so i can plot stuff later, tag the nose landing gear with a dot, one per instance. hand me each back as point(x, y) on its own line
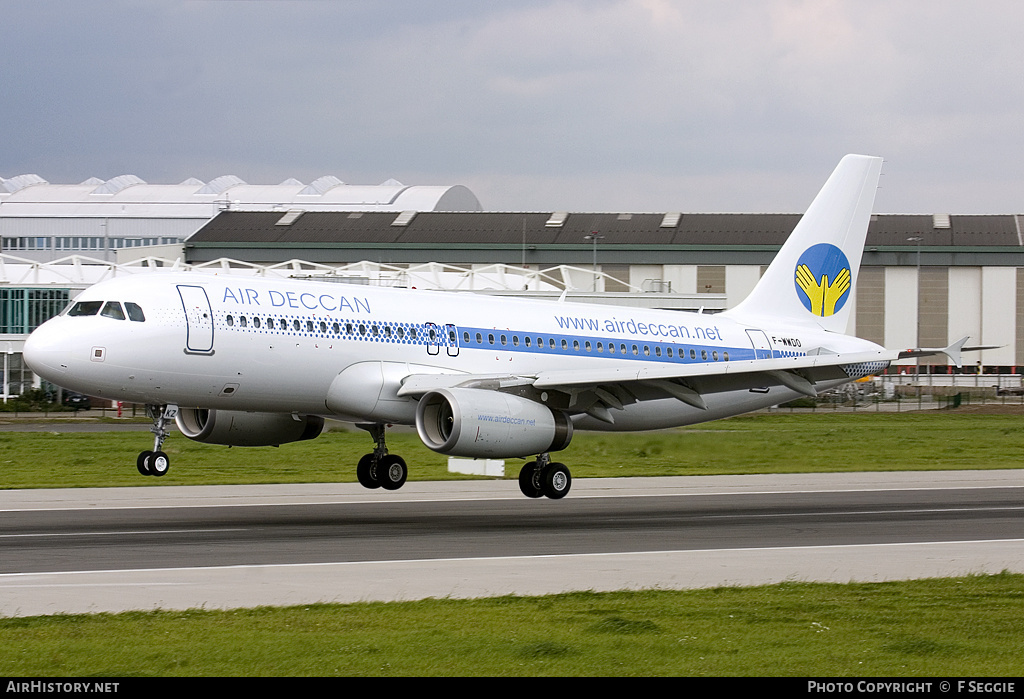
point(156, 462)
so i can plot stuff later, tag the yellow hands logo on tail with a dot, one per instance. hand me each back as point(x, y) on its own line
point(823, 296)
point(823, 279)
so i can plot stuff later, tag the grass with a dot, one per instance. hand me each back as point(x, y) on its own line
point(971, 626)
point(761, 443)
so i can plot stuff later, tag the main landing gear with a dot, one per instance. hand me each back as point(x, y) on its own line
point(156, 462)
point(545, 477)
point(379, 469)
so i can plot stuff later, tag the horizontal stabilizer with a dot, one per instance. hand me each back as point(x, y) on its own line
point(953, 351)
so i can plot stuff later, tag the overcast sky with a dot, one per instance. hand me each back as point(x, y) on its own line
point(590, 105)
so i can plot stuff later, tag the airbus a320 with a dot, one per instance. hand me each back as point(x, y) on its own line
point(256, 362)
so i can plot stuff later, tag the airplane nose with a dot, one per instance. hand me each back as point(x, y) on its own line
point(46, 352)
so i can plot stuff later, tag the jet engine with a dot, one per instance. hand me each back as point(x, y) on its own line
point(244, 429)
point(481, 423)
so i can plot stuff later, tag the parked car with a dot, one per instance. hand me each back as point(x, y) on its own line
point(76, 401)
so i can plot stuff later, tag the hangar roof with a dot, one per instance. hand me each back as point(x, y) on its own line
point(129, 196)
point(451, 228)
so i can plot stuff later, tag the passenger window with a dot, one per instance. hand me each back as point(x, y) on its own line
point(242, 321)
point(230, 319)
point(112, 309)
point(135, 312)
point(85, 308)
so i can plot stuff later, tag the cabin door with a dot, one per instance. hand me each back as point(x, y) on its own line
point(198, 319)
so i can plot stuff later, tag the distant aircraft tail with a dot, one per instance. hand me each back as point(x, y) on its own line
point(812, 278)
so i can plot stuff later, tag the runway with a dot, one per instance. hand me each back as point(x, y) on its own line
point(90, 550)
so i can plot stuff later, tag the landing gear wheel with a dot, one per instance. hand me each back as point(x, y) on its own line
point(159, 464)
point(142, 463)
point(556, 481)
point(391, 472)
point(156, 463)
point(529, 480)
point(366, 472)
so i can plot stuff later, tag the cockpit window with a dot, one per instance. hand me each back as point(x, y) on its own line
point(85, 308)
point(112, 309)
point(134, 312)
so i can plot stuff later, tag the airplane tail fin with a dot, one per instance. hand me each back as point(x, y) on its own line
point(812, 278)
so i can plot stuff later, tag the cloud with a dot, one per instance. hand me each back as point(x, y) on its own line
point(573, 104)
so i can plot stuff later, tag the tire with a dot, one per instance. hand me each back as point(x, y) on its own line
point(142, 463)
point(366, 473)
point(529, 481)
point(556, 481)
point(392, 472)
point(159, 464)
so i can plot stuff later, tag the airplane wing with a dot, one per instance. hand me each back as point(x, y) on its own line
point(597, 392)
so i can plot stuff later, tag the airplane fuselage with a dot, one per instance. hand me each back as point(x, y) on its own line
point(279, 345)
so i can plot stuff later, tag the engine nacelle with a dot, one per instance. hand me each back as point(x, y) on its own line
point(243, 429)
point(481, 423)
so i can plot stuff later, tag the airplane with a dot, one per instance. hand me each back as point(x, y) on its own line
point(259, 362)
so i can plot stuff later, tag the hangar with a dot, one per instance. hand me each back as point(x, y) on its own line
point(926, 280)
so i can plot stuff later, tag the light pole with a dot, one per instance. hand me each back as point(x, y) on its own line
point(594, 236)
